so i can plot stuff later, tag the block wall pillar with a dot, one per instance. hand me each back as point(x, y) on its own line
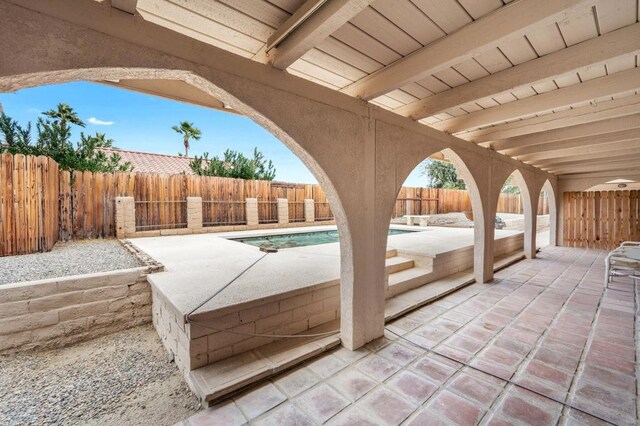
point(125, 217)
point(283, 211)
point(251, 205)
point(309, 210)
point(194, 213)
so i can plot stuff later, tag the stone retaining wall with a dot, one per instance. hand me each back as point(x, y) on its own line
point(57, 312)
point(194, 346)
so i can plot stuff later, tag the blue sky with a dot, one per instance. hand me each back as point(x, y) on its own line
point(141, 122)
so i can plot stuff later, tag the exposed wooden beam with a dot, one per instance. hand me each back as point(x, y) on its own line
point(578, 146)
point(128, 6)
point(598, 166)
point(307, 9)
point(591, 52)
point(581, 130)
point(587, 114)
point(591, 157)
point(608, 85)
point(311, 27)
point(512, 20)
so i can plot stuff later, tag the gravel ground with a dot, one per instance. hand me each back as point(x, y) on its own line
point(67, 259)
point(120, 379)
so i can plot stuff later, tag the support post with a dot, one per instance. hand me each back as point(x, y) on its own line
point(283, 211)
point(194, 213)
point(309, 210)
point(125, 217)
point(251, 205)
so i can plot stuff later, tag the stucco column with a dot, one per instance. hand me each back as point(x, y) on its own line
point(283, 211)
point(125, 217)
point(194, 213)
point(251, 205)
point(309, 210)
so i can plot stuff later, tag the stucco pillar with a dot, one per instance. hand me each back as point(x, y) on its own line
point(283, 211)
point(309, 210)
point(125, 217)
point(530, 229)
point(251, 205)
point(194, 213)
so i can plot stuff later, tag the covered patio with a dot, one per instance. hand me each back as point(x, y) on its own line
point(362, 91)
point(545, 343)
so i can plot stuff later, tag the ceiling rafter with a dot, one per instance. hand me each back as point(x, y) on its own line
point(309, 26)
point(587, 114)
point(514, 146)
point(570, 147)
point(590, 52)
point(512, 20)
point(608, 85)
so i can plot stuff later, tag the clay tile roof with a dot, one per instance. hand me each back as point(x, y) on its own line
point(147, 162)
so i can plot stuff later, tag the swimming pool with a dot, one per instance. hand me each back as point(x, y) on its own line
point(300, 239)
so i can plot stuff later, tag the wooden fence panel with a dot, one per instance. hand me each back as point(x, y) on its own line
point(28, 204)
point(600, 219)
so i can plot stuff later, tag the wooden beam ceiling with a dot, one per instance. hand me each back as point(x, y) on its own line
point(594, 51)
point(582, 130)
point(610, 155)
point(512, 20)
point(598, 166)
point(587, 114)
point(578, 146)
point(310, 27)
point(608, 85)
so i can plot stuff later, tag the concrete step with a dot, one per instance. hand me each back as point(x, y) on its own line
point(221, 378)
point(392, 253)
point(397, 264)
point(409, 277)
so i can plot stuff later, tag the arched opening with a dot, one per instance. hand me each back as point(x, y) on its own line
point(513, 221)
point(293, 276)
point(440, 203)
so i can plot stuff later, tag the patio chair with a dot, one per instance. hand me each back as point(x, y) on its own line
point(618, 264)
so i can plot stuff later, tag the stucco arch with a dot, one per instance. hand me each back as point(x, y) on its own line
point(421, 154)
point(307, 135)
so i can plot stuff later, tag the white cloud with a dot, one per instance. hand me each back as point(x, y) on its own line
point(97, 122)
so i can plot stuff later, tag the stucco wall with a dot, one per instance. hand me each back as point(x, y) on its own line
point(60, 311)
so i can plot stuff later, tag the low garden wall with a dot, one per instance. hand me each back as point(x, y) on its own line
point(60, 311)
point(194, 346)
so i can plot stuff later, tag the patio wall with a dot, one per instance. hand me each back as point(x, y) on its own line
point(57, 312)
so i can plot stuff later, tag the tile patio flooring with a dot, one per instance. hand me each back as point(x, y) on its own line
point(548, 325)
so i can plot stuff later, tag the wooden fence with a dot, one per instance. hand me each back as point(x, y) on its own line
point(600, 219)
point(28, 204)
point(432, 201)
point(40, 205)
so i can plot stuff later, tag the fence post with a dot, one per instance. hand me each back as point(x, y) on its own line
point(194, 212)
point(251, 205)
point(309, 210)
point(283, 211)
point(125, 217)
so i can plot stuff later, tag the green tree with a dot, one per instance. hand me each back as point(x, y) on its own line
point(53, 140)
point(234, 164)
point(63, 113)
point(510, 187)
point(441, 174)
point(188, 132)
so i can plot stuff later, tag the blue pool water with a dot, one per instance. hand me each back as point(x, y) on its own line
point(301, 239)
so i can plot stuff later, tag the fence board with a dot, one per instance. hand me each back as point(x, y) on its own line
point(601, 219)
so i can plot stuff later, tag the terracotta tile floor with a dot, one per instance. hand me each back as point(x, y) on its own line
point(548, 326)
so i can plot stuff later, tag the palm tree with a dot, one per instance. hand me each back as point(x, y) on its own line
point(188, 132)
point(64, 113)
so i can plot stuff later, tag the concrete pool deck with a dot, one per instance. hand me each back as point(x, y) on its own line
point(202, 264)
